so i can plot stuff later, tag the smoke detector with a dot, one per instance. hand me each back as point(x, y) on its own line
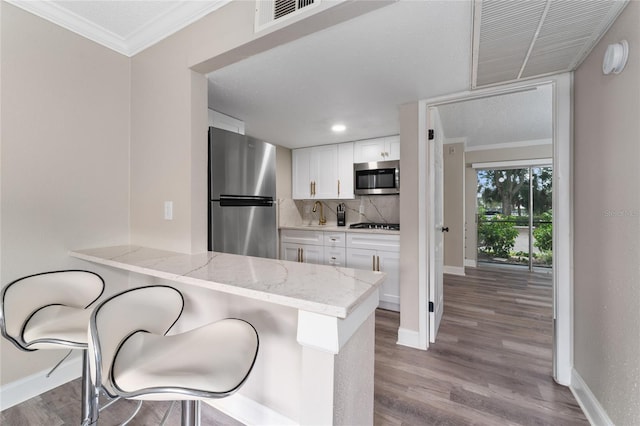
point(615, 57)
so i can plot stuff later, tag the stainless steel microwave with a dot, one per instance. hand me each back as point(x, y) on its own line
point(376, 178)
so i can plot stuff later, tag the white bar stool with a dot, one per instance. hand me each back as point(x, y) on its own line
point(132, 356)
point(51, 310)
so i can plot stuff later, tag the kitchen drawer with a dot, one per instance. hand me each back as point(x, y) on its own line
point(373, 241)
point(335, 256)
point(301, 237)
point(334, 239)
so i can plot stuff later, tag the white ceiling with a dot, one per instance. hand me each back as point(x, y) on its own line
point(360, 71)
point(124, 26)
point(505, 119)
point(356, 73)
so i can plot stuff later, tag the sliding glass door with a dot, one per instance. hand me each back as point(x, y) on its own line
point(514, 216)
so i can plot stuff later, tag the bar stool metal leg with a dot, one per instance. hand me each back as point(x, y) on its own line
point(190, 413)
point(89, 394)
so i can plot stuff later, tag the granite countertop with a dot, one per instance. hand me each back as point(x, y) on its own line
point(332, 227)
point(322, 289)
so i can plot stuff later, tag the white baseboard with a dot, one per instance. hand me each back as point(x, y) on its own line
point(453, 270)
point(389, 306)
point(591, 407)
point(249, 412)
point(471, 263)
point(409, 338)
point(31, 386)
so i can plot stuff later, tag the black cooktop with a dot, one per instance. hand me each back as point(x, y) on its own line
point(372, 225)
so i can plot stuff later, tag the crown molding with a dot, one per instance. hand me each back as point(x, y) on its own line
point(167, 23)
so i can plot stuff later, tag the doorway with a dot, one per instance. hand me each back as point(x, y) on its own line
point(561, 220)
point(514, 216)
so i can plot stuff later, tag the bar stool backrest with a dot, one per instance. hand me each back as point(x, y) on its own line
point(153, 309)
point(22, 298)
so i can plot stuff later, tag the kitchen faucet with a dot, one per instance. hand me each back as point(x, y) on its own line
point(322, 220)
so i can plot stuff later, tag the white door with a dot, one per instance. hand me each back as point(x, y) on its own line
point(300, 173)
point(389, 262)
point(361, 259)
point(290, 251)
point(368, 150)
point(313, 254)
point(393, 149)
point(324, 171)
point(345, 171)
point(436, 225)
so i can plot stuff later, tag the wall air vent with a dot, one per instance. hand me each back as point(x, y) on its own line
point(269, 12)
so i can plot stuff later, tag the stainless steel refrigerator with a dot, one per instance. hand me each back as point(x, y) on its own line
point(242, 195)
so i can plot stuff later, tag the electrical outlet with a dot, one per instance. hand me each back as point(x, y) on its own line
point(361, 211)
point(307, 209)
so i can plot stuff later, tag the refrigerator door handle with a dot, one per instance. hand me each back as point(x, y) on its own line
point(245, 201)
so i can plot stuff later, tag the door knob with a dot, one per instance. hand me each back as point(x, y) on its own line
point(445, 229)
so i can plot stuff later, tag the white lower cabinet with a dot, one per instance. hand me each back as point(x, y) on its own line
point(373, 252)
point(378, 252)
point(302, 253)
point(313, 247)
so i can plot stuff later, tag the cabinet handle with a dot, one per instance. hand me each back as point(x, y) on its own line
point(298, 252)
point(302, 255)
point(333, 258)
point(338, 186)
point(378, 267)
point(374, 263)
point(333, 239)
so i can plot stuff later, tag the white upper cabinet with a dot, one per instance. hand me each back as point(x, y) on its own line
point(392, 147)
point(379, 149)
point(301, 173)
point(345, 171)
point(322, 172)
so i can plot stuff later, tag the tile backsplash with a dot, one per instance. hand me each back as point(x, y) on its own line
point(380, 208)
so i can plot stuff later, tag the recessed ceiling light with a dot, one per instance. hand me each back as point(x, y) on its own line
point(338, 127)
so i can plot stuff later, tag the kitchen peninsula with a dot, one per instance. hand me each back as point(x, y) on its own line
point(316, 327)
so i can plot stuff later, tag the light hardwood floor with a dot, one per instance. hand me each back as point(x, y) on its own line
point(491, 365)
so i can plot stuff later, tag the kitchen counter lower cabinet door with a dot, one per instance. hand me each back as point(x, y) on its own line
point(389, 262)
point(302, 253)
point(374, 260)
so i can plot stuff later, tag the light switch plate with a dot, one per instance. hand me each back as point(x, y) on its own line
point(168, 210)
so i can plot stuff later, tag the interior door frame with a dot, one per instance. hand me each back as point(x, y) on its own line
point(562, 215)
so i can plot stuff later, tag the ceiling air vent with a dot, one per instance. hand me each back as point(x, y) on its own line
point(269, 12)
point(515, 40)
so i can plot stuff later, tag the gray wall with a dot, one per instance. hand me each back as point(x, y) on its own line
point(607, 225)
point(65, 158)
point(454, 204)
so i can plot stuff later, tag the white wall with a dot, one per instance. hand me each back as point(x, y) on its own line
point(607, 225)
point(65, 158)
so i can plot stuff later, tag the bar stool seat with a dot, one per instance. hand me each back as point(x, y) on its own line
point(132, 355)
point(214, 358)
point(51, 310)
point(64, 324)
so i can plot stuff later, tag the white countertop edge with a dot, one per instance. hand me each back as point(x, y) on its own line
point(315, 307)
